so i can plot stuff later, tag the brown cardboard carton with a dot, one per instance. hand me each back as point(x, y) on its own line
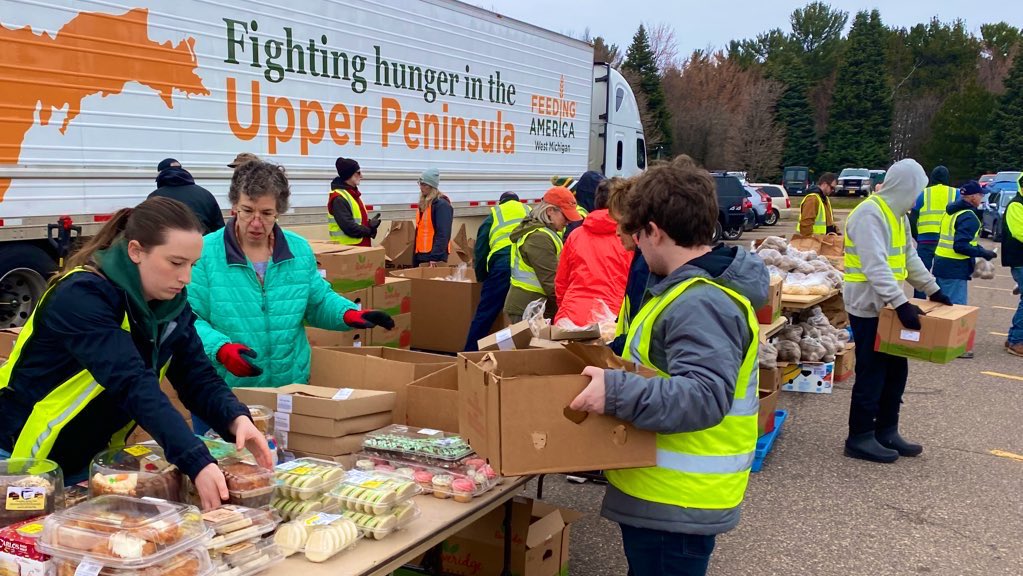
point(555, 333)
point(8, 337)
point(772, 310)
point(515, 337)
point(768, 405)
point(307, 400)
point(394, 296)
point(326, 247)
point(358, 297)
point(400, 244)
point(513, 410)
point(352, 268)
point(770, 379)
point(327, 338)
point(329, 427)
point(375, 368)
point(845, 363)
point(829, 246)
point(398, 337)
point(540, 537)
point(946, 332)
point(322, 444)
point(442, 310)
point(462, 249)
point(433, 401)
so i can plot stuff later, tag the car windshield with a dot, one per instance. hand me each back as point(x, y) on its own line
point(986, 178)
point(1007, 177)
point(855, 173)
point(773, 191)
point(796, 174)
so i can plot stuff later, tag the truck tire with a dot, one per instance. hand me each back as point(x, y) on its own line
point(24, 271)
point(771, 218)
point(733, 233)
point(718, 230)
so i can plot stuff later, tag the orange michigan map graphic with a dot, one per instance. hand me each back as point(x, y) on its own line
point(94, 53)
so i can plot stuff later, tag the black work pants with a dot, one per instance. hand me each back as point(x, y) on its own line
point(880, 381)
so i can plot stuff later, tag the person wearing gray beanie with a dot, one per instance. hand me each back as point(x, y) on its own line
point(433, 221)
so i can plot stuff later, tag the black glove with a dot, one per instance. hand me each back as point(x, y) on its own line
point(940, 298)
point(909, 315)
point(374, 222)
point(360, 319)
point(990, 255)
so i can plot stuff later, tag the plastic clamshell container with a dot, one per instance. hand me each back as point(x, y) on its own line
point(233, 524)
point(319, 535)
point(248, 484)
point(292, 509)
point(263, 418)
point(124, 532)
point(417, 442)
point(138, 471)
point(194, 562)
point(473, 468)
point(381, 526)
point(307, 478)
point(247, 558)
point(29, 487)
point(372, 492)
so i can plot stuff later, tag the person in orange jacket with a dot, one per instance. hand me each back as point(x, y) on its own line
point(433, 221)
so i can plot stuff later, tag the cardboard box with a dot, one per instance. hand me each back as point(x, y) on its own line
point(8, 337)
point(829, 246)
point(515, 337)
point(770, 379)
point(513, 410)
point(400, 244)
point(328, 338)
point(352, 268)
point(375, 368)
point(307, 400)
point(946, 332)
point(322, 444)
point(442, 310)
point(398, 337)
point(358, 297)
point(462, 249)
point(394, 296)
point(812, 377)
point(768, 405)
point(329, 427)
point(433, 401)
point(772, 310)
point(540, 537)
point(845, 363)
point(19, 555)
point(591, 332)
point(346, 460)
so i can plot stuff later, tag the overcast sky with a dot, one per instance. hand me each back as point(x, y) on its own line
point(703, 23)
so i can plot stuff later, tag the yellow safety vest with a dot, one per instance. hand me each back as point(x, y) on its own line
point(336, 235)
point(51, 414)
point(706, 469)
point(624, 318)
point(820, 224)
point(522, 274)
point(946, 242)
point(507, 218)
point(896, 244)
point(936, 199)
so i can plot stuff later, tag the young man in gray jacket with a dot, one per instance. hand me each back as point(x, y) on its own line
point(877, 259)
point(697, 330)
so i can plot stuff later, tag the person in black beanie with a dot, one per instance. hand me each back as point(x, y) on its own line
point(348, 221)
point(176, 183)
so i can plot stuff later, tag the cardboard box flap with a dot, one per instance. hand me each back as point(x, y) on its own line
point(328, 393)
point(544, 529)
point(399, 243)
point(950, 312)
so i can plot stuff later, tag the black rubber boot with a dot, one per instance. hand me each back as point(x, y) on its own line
point(866, 447)
point(889, 438)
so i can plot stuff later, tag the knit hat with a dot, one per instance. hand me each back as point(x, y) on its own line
point(508, 196)
point(346, 167)
point(430, 177)
point(167, 163)
point(562, 198)
point(563, 181)
point(243, 158)
point(971, 187)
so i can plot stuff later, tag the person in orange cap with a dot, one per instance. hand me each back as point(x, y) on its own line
point(536, 250)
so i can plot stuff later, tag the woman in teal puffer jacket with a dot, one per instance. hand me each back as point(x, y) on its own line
point(256, 286)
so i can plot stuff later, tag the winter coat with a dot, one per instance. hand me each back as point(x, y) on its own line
point(232, 305)
point(965, 230)
point(539, 252)
point(586, 189)
point(594, 266)
point(442, 216)
point(178, 184)
point(700, 341)
point(342, 213)
point(635, 290)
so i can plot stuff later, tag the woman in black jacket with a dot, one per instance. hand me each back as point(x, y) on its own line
point(87, 365)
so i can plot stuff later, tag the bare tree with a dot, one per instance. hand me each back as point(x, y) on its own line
point(820, 99)
point(761, 138)
point(664, 45)
point(993, 67)
point(911, 123)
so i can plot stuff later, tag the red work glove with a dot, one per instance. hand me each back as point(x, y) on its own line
point(359, 319)
point(232, 356)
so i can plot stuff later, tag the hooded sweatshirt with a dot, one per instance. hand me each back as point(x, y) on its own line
point(540, 252)
point(938, 176)
point(594, 268)
point(586, 189)
point(178, 184)
point(966, 228)
point(867, 228)
point(700, 339)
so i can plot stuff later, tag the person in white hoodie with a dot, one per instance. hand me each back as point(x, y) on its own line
point(879, 255)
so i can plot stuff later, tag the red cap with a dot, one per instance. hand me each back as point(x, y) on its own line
point(562, 198)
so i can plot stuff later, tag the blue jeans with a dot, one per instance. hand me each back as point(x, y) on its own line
point(926, 253)
point(658, 553)
point(1016, 331)
point(68, 480)
point(492, 296)
point(954, 289)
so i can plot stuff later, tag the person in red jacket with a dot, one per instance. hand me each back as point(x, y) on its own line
point(594, 266)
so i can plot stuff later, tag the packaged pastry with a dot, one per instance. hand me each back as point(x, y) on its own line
point(307, 478)
point(248, 484)
point(193, 562)
point(417, 443)
point(233, 524)
point(30, 487)
point(19, 555)
point(247, 558)
point(292, 509)
point(75, 495)
point(263, 418)
point(372, 492)
point(138, 471)
point(124, 532)
point(321, 536)
point(453, 480)
point(381, 526)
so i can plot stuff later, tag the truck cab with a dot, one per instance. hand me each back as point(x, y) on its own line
point(796, 179)
point(617, 145)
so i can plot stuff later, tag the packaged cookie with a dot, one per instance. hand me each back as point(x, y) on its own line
point(292, 509)
point(307, 478)
point(373, 492)
point(417, 443)
point(138, 471)
point(320, 536)
point(194, 562)
point(247, 558)
point(381, 526)
point(29, 487)
point(233, 524)
point(124, 532)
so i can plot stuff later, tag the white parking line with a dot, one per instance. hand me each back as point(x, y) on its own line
point(1004, 308)
point(992, 288)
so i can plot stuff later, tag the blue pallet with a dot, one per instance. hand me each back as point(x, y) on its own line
point(766, 442)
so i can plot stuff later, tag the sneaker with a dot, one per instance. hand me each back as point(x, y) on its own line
point(967, 355)
point(1015, 349)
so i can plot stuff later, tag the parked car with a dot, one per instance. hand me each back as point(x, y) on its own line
point(853, 181)
point(733, 207)
point(986, 179)
point(780, 201)
point(762, 204)
point(876, 179)
point(1005, 181)
point(994, 212)
point(796, 180)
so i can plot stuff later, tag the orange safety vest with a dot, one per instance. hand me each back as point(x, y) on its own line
point(424, 229)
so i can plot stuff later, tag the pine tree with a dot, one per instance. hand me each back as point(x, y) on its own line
point(796, 116)
point(1002, 146)
point(640, 60)
point(957, 130)
point(859, 127)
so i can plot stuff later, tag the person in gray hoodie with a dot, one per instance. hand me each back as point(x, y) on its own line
point(702, 343)
point(870, 284)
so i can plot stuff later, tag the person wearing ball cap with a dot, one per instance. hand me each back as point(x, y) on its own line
point(536, 250)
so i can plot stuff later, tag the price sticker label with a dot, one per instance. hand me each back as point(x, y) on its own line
point(429, 432)
point(88, 568)
point(282, 421)
point(343, 394)
point(26, 499)
point(284, 403)
point(137, 451)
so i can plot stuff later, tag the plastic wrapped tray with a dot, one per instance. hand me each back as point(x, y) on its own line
point(320, 536)
point(138, 471)
point(263, 418)
point(248, 484)
point(307, 478)
point(381, 526)
point(442, 482)
point(195, 562)
point(417, 443)
point(372, 492)
point(123, 532)
point(247, 558)
point(292, 509)
point(233, 524)
point(29, 487)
